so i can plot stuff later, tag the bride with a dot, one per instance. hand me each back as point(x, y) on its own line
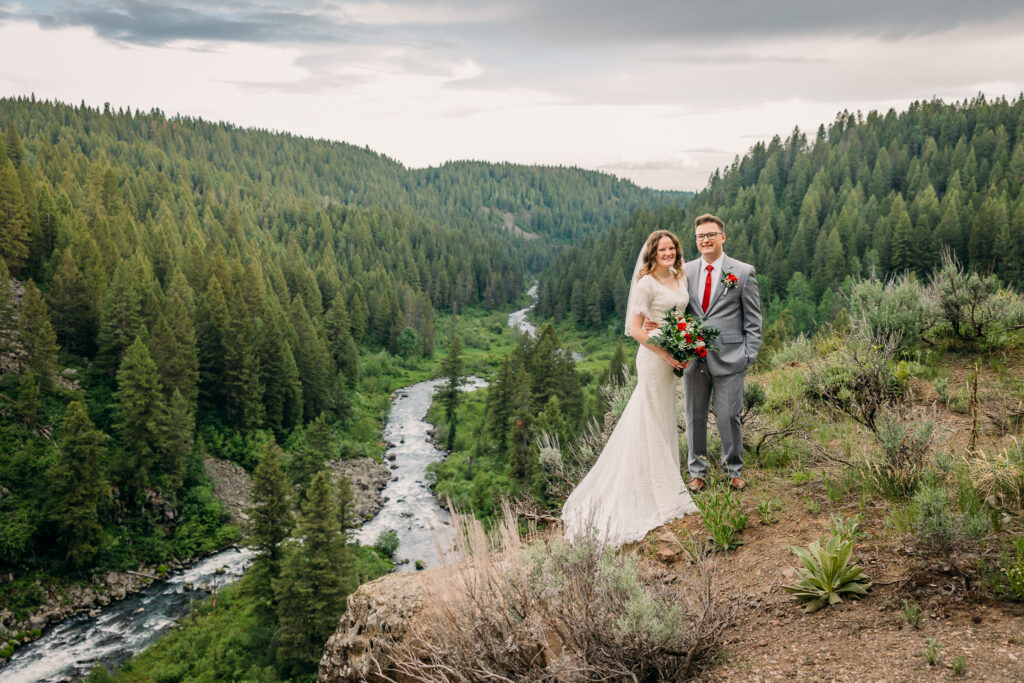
point(635, 485)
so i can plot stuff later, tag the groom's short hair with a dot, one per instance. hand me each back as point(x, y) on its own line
point(708, 218)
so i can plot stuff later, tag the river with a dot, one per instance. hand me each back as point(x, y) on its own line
point(71, 648)
point(409, 508)
point(124, 628)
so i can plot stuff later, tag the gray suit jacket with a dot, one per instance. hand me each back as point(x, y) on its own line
point(735, 312)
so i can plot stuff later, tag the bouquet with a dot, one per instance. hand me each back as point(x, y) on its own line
point(685, 337)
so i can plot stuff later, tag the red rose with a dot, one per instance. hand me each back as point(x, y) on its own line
point(681, 326)
point(687, 338)
point(700, 338)
point(732, 278)
point(702, 352)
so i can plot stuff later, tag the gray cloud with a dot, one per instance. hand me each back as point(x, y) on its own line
point(156, 23)
point(528, 22)
point(615, 22)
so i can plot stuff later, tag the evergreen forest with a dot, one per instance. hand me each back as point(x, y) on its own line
point(870, 196)
point(173, 289)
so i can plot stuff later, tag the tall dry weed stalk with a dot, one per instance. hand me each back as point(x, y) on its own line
point(550, 610)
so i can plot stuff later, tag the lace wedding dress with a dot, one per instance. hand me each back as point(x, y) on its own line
point(635, 485)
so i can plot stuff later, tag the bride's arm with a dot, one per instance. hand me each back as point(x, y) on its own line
point(637, 332)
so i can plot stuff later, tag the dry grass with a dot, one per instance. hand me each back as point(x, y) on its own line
point(548, 610)
point(998, 476)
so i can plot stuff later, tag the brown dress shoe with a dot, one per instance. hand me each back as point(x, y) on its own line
point(696, 485)
point(737, 484)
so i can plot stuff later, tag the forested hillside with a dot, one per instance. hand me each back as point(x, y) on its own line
point(868, 195)
point(167, 277)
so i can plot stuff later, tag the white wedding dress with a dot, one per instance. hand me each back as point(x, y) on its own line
point(635, 485)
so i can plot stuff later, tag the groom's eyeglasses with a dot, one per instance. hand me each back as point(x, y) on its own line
point(705, 236)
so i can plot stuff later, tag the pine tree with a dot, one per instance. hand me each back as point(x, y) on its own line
point(30, 405)
point(451, 370)
point(343, 347)
point(316, 577)
point(121, 321)
point(179, 369)
point(312, 451)
point(500, 407)
point(140, 415)
point(14, 220)
point(77, 489)
point(272, 524)
point(903, 254)
point(346, 505)
point(242, 373)
point(74, 319)
point(212, 335)
point(176, 443)
point(614, 374)
point(37, 336)
point(521, 428)
point(8, 319)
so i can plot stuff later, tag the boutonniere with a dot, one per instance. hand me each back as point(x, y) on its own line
point(729, 280)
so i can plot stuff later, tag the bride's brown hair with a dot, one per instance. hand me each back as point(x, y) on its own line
point(651, 253)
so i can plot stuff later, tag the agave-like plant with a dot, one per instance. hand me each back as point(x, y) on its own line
point(828, 574)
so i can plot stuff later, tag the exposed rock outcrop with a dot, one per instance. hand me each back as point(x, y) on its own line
point(367, 477)
point(232, 486)
point(379, 612)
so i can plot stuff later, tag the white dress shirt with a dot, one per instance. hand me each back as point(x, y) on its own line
point(702, 277)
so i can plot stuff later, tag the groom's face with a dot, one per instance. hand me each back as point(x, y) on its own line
point(710, 239)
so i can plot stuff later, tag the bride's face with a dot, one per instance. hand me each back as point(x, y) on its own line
point(666, 254)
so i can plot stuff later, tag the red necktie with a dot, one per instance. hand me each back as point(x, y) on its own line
point(707, 290)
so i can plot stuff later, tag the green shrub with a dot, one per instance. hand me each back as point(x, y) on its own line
point(847, 528)
point(798, 350)
point(722, 515)
point(766, 510)
point(937, 526)
point(912, 613)
point(828, 574)
point(1015, 571)
point(898, 469)
point(965, 306)
point(890, 309)
point(932, 651)
point(386, 543)
point(855, 377)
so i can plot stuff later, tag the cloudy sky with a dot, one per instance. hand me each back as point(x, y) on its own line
point(659, 91)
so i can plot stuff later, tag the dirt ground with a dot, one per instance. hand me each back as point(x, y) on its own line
point(860, 640)
point(772, 639)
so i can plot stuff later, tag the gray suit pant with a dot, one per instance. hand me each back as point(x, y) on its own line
point(725, 394)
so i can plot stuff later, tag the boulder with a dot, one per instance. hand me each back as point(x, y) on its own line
point(379, 612)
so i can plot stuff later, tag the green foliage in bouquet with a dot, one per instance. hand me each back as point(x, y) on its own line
point(828, 573)
point(685, 337)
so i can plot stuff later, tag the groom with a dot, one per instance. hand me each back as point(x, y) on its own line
point(723, 293)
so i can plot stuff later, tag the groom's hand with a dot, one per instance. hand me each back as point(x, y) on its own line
point(649, 325)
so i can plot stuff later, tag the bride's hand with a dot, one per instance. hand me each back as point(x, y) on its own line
point(676, 365)
point(649, 325)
